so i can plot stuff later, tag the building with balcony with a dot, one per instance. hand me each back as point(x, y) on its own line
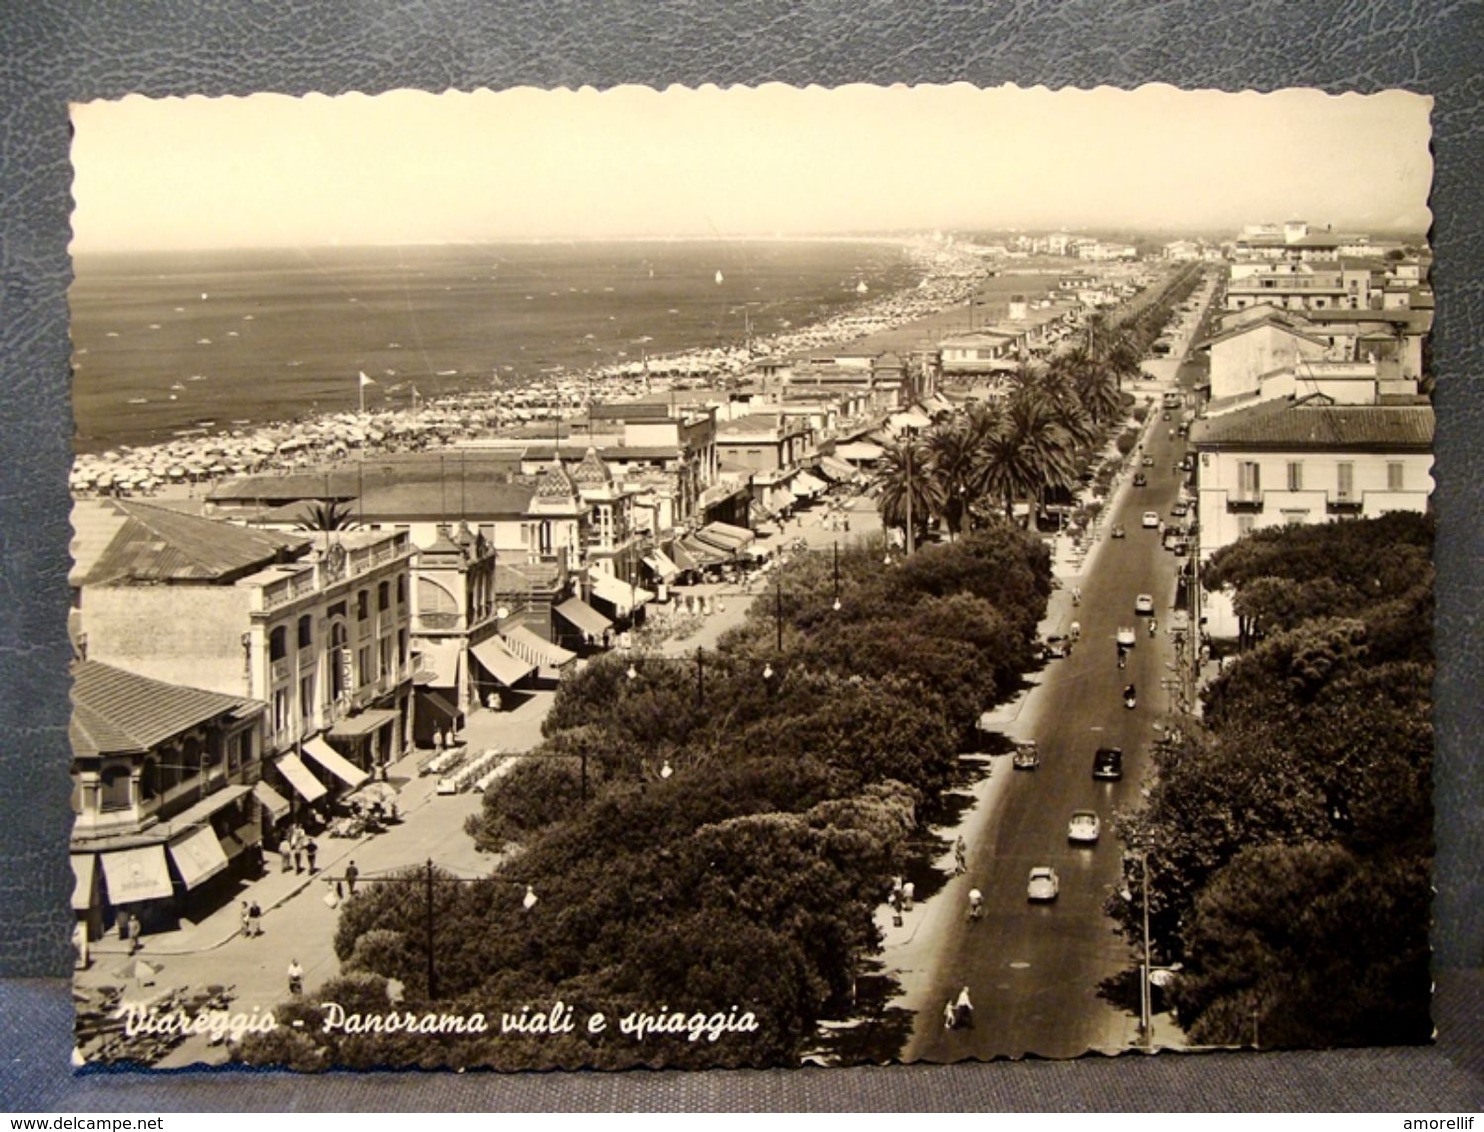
point(167, 796)
point(317, 627)
point(1306, 459)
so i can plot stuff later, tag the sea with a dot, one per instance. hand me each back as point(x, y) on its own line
point(165, 344)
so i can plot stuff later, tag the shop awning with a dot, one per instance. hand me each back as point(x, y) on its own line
point(84, 869)
point(705, 555)
point(657, 561)
point(300, 778)
point(207, 806)
point(621, 595)
point(860, 452)
point(500, 662)
point(782, 499)
point(584, 616)
point(533, 650)
point(438, 704)
point(198, 856)
point(805, 484)
point(137, 874)
point(437, 663)
point(837, 470)
point(372, 719)
point(334, 762)
point(271, 800)
point(725, 535)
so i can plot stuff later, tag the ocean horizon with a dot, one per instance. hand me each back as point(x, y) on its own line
point(168, 342)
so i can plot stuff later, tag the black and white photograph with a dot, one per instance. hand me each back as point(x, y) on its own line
point(750, 577)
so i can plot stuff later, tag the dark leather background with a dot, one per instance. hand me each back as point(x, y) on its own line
point(56, 52)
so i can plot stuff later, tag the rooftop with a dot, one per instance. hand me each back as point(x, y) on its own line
point(1315, 423)
point(118, 712)
point(159, 545)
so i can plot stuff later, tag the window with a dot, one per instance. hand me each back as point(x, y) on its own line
point(306, 631)
point(149, 780)
point(383, 597)
point(117, 791)
point(401, 589)
point(339, 664)
point(1245, 524)
point(402, 648)
point(281, 711)
point(278, 644)
point(363, 658)
point(306, 696)
point(1295, 476)
point(387, 664)
point(363, 605)
point(1394, 476)
point(1346, 484)
point(1249, 480)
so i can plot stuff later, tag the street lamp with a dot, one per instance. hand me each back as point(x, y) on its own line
point(1145, 1003)
point(836, 606)
point(427, 879)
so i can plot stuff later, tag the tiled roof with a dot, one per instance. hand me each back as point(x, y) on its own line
point(553, 482)
point(114, 711)
point(474, 500)
point(156, 544)
point(1316, 424)
point(591, 471)
point(1267, 320)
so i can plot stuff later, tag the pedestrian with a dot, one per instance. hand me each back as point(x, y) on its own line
point(908, 891)
point(298, 859)
point(310, 849)
point(285, 855)
point(963, 1010)
point(246, 920)
point(949, 1014)
point(296, 978)
point(960, 856)
point(351, 872)
point(438, 738)
point(254, 919)
point(976, 904)
point(896, 907)
point(133, 929)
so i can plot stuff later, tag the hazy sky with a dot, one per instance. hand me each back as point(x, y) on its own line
point(411, 167)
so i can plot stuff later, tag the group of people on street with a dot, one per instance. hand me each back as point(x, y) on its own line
point(958, 1013)
point(252, 919)
point(296, 850)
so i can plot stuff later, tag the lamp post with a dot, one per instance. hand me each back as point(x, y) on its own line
point(427, 879)
point(836, 606)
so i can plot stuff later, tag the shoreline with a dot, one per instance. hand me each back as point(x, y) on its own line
point(946, 276)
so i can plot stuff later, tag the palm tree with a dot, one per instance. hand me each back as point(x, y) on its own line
point(906, 474)
point(327, 515)
point(953, 453)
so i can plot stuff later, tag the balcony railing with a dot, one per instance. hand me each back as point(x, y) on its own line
point(1344, 503)
point(1246, 503)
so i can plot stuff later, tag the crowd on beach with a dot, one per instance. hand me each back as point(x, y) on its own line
point(947, 275)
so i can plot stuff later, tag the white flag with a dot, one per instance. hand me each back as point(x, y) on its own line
point(365, 381)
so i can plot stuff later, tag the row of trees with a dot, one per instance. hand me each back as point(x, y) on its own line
point(703, 832)
point(1289, 837)
point(1039, 437)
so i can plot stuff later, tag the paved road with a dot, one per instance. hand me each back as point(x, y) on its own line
point(1033, 970)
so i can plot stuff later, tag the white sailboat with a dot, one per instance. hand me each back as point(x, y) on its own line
point(719, 277)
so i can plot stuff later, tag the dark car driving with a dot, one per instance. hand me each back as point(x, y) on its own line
point(1108, 763)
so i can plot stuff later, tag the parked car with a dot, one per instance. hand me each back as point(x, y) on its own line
point(1118, 531)
point(1043, 885)
point(1151, 519)
point(1149, 461)
point(1140, 479)
point(1107, 764)
point(1027, 756)
point(1144, 604)
point(1179, 510)
point(1181, 548)
point(1084, 827)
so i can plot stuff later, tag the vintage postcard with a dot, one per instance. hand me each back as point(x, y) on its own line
point(750, 577)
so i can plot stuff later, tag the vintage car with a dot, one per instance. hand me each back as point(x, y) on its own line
point(1042, 885)
point(1084, 827)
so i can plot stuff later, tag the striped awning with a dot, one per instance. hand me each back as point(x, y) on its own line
point(533, 650)
point(805, 484)
point(837, 469)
